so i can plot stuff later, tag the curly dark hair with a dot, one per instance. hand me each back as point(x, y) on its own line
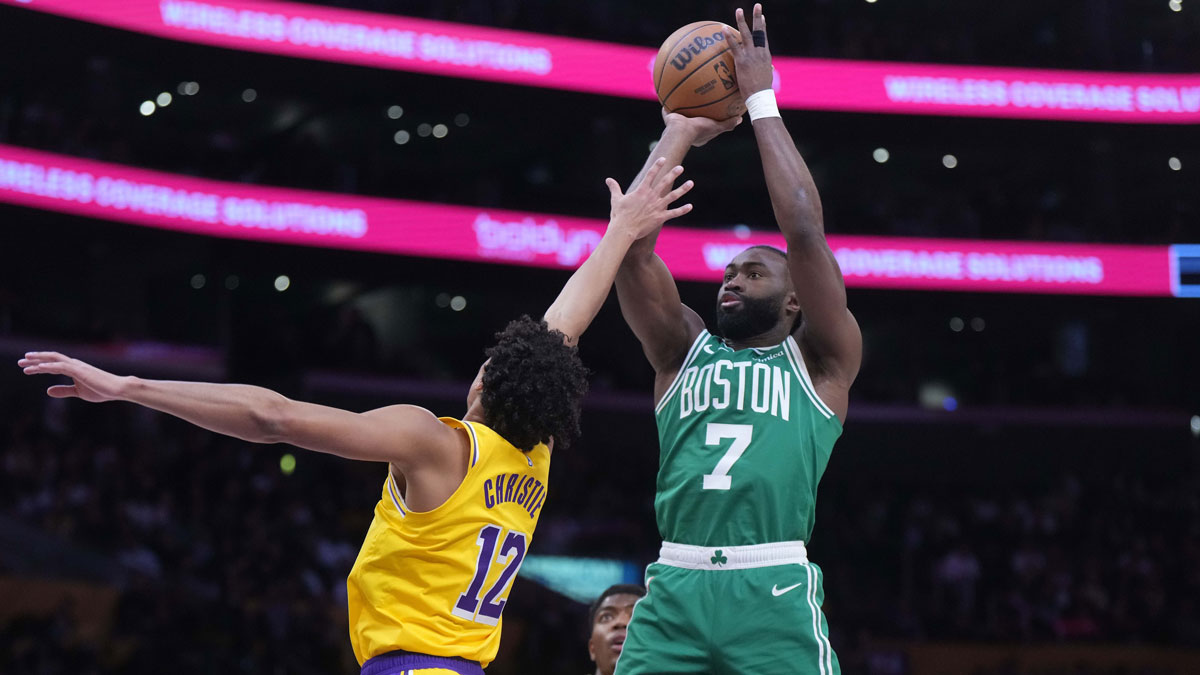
point(533, 385)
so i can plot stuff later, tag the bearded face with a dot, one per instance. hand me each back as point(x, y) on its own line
point(740, 317)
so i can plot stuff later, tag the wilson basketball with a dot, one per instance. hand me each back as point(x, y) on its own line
point(694, 74)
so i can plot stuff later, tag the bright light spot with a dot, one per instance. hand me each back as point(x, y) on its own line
point(287, 464)
point(978, 325)
point(147, 108)
point(1175, 164)
point(395, 112)
point(401, 137)
point(741, 231)
point(440, 131)
point(282, 283)
point(1175, 5)
point(949, 161)
point(191, 88)
point(182, 88)
point(461, 120)
point(163, 100)
point(881, 155)
point(424, 130)
point(1196, 425)
point(198, 281)
point(442, 300)
point(249, 95)
point(949, 403)
point(956, 324)
point(871, 1)
point(232, 282)
point(458, 303)
point(653, 145)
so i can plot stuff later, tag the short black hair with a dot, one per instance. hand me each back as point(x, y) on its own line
point(532, 385)
point(615, 589)
point(769, 248)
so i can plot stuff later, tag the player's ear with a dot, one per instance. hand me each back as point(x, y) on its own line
point(792, 301)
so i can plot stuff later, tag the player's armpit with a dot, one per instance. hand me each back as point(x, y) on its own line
point(404, 435)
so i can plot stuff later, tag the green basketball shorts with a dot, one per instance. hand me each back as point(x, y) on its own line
point(736, 609)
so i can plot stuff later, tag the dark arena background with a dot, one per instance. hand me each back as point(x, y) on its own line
point(1012, 199)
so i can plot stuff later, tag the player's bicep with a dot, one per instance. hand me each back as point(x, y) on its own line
point(651, 306)
point(399, 434)
point(829, 327)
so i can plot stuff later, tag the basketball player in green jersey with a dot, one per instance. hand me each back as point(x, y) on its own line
point(746, 419)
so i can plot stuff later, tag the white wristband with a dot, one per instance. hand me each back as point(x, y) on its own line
point(762, 104)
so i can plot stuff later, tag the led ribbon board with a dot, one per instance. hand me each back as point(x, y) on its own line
point(458, 50)
point(172, 202)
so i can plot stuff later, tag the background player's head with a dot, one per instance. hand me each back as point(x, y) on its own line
point(757, 294)
point(610, 615)
point(530, 386)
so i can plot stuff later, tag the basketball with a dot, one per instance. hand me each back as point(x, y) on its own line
point(694, 75)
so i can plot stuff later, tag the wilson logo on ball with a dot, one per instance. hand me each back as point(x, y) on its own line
point(697, 47)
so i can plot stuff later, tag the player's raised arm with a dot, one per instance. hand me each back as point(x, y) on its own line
point(260, 415)
point(646, 290)
point(634, 215)
point(829, 330)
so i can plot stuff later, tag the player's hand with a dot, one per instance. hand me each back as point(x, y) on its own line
point(645, 208)
point(752, 64)
point(701, 129)
point(89, 383)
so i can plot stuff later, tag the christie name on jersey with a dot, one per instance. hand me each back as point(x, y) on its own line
point(736, 385)
point(522, 489)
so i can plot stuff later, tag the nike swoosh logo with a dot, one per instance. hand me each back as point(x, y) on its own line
point(708, 348)
point(777, 591)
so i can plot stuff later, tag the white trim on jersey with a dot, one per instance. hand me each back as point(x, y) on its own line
point(394, 493)
point(474, 444)
point(687, 360)
point(797, 358)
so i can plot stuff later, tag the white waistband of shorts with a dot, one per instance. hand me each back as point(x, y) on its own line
point(732, 557)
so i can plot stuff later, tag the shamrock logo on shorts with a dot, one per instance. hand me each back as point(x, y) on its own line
point(718, 558)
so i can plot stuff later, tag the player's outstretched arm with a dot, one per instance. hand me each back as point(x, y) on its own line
point(260, 415)
point(634, 215)
point(646, 290)
point(829, 328)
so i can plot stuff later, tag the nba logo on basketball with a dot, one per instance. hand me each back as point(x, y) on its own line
point(728, 79)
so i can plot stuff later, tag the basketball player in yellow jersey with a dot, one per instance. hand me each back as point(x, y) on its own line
point(462, 497)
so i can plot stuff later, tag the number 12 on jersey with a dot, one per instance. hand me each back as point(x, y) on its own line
point(741, 434)
point(512, 551)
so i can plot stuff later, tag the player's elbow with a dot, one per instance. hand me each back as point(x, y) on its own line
point(272, 420)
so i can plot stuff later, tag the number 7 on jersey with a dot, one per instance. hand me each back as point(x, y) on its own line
point(741, 434)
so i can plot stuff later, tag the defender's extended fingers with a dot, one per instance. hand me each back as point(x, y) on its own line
point(62, 391)
point(676, 212)
point(614, 188)
point(655, 169)
point(680, 191)
point(668, 179)
point(48, 368)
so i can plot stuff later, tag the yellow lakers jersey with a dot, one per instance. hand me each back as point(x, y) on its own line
point(436, 582)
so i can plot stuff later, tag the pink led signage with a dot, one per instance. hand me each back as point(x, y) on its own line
point(458, 50)
point(167, 201)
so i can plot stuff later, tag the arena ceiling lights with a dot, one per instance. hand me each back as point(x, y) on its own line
point(458, 50)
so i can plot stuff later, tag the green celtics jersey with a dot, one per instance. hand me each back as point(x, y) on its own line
point(744, 441)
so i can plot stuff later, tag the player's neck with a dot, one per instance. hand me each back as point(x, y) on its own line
point(771, 338)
